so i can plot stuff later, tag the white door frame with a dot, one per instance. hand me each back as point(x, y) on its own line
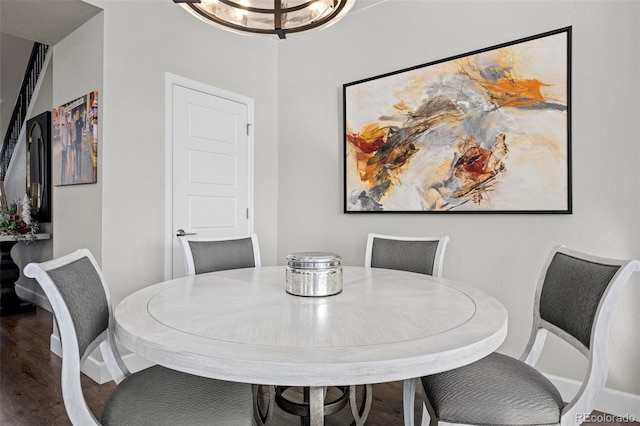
point(176, 80)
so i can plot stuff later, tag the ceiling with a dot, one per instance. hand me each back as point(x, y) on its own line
point(44, 21)
point(49, 21)
point(365, 4)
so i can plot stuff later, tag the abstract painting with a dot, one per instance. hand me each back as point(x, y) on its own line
point(75, 141)
point(487, 131)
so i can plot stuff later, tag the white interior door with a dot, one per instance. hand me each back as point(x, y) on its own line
point(211, 165)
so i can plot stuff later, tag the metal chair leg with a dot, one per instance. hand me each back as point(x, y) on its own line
point(361, 413)
point(263, 417)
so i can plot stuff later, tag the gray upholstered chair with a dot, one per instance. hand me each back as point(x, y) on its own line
point(80, 300)
point(424, 255)
point(217, 254)
point(574, 300)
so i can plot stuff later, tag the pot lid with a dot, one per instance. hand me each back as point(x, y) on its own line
point(313, 259)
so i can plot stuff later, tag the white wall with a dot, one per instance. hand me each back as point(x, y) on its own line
point(501, 254)
point(140, 46)
point(77, 209)
point(14, 55)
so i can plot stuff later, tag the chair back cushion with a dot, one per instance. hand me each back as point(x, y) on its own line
point(571, 293)
point(211, 256)
point(81, 289)
point(410, 256)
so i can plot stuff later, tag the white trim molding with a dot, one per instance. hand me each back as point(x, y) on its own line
point(33, 297)
point(95, 368)
point(97, 371)
point(620, 404)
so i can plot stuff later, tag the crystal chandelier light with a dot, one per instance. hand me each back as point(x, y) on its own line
point(279, 17)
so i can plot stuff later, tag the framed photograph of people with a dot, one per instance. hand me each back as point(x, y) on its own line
point(75, 141)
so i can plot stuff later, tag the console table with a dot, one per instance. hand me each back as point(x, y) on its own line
point(10, 303)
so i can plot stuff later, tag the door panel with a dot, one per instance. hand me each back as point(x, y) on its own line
point(213, 169)
point(212, 212)
point(211, 124)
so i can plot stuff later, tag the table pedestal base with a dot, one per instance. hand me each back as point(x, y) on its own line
point(9, 273)
point(314, 407)
point(303, 408)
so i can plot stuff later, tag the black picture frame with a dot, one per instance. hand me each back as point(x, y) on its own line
point(488, 131)
point(38, 173)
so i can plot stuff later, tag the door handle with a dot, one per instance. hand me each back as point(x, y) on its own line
point(181, 233)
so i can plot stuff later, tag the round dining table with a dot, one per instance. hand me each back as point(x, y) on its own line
point(241, 325)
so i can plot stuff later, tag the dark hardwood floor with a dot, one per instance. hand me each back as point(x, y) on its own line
point(30, 374)
point(30, 382)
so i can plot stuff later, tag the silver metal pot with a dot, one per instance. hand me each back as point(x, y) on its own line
point(314, 274)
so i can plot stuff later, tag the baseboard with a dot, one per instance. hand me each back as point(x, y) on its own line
point(93, 367)
point(621, 404)
point(96, 369)
point(55, 345)
point(33, 297)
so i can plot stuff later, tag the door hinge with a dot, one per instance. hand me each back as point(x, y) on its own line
point(247, 213)
point(248, 127)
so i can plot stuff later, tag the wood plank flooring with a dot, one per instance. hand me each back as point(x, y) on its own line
point(30, 383)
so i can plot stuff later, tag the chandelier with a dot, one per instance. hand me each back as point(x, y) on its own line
point(279, 17)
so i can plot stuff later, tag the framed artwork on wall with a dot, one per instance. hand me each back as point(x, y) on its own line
point(75, 141)
point(483, 132)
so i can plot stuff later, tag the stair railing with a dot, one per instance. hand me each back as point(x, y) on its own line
point(19, 115)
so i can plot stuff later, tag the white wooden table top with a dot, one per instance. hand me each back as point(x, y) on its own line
point(241, 325)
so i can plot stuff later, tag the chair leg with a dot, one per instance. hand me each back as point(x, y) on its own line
point(361, 413)
point(408, 399)
point(429, 417)
point(262, 418)
point(427, 420)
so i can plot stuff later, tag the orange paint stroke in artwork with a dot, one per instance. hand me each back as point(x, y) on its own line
point(401, 106)
point(508, 92)
point(364, 170)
